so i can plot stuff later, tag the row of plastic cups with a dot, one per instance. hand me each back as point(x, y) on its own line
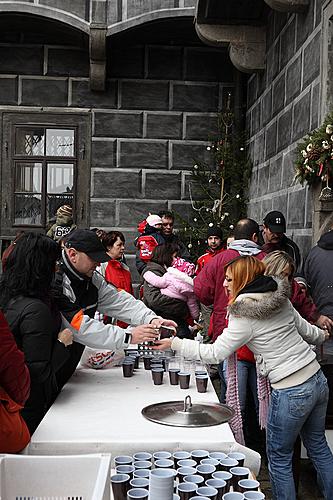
point(198, 456)
point(177, 377)
point(213, 488)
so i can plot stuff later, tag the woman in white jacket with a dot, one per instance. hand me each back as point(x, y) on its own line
point(262, 317)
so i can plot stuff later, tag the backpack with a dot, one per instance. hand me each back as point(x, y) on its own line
point(146, 244)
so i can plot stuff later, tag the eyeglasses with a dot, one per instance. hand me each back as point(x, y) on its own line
point(228, 279)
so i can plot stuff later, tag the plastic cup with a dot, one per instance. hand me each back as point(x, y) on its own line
point(245, 485)
point(142, 464)
point(195, 478)
point(125, 469)
point(228, 463)
point(174, 376)
point(198, 455)
point(240, 457)
point(139, 482)
point(223, 476)
point(187, 463)
point(157, 374)
point(141, 473)
point(142, 455)
point(123, 460)
point(181, 455)
point(186, 490)
point(201, 382)
point(184, 379)
point(210, 461)
point(233, 495)
point(219, 455)
point(120, 485)
point(128, 368)
point(254, 495)
point(137, 493)
point(146, 361)
point(218, 484)
point(208, 491)
point(239, 473)
point(206, 470)
point(164, 463)
point(160, 455)
point(185, 471)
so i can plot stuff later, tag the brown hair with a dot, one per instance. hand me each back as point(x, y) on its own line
point(244, 270)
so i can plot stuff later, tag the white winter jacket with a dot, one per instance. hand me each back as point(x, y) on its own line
point(272, 329)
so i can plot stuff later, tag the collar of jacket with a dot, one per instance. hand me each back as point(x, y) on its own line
point(71, 272)
point(261, 305)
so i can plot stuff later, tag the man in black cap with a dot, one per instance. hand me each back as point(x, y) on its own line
point(80, 291)
point(215, 246)
point(274, 227)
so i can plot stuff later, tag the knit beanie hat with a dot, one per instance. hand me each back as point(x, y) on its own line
point(65, 210)
point(153, 220)
point(215, 231)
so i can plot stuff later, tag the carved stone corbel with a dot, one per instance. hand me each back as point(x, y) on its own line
point(247, 44)
point(288, 5)
point(97, 52)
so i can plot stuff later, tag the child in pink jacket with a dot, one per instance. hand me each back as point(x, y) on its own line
point(176, 284)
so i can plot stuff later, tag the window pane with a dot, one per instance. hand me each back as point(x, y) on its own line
point(60, 178)
point(28, 209)
point(28, 177)
point(29, 141)
point(55, 201)
point(59, 142)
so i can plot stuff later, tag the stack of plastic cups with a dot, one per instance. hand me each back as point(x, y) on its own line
point(161, 484)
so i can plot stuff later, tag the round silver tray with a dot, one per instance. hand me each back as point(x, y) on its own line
point(186, 414)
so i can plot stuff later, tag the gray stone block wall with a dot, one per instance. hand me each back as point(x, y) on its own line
point(149, 127)
point(283, 106)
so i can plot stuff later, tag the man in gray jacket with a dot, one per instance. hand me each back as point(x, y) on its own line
point(81, 291)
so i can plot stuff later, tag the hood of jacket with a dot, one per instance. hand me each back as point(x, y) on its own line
point(245, 247)
point(155, 268)
point(326, 241)
point(259, 304)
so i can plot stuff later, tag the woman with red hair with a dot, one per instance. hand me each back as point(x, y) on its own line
point(262, 317)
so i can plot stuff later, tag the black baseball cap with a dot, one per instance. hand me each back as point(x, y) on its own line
point(86, 241)
point(275, 221)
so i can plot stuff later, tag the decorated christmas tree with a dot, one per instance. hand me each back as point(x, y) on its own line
point(218, 187)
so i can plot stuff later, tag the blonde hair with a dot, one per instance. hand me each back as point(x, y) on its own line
point(243, 270)
point(277, 262)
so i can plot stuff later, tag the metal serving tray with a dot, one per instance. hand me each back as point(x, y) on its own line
point(186, 414)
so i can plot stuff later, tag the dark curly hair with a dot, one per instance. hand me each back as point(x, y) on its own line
point(30, 268)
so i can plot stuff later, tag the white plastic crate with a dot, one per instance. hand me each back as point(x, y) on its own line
point(73, 477)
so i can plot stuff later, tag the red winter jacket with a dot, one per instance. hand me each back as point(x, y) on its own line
point(205, 258)
point(208, 287)
point(14, 374)
point(119, 275)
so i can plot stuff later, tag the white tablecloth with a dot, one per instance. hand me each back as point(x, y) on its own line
point(100, 411)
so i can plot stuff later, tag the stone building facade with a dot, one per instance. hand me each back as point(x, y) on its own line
point(107, 104)
point(135, 141)
point(284, 105)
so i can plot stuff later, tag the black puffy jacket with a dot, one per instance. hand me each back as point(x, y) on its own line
point(35, 326)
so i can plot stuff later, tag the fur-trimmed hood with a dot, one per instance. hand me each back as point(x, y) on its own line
point(261, 305)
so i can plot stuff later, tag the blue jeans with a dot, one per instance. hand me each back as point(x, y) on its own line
point(247, 376)
point(298, 410)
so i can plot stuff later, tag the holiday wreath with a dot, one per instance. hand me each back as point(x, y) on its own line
point(314, 160)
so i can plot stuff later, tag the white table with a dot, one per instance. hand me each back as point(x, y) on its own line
point(100, 411)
